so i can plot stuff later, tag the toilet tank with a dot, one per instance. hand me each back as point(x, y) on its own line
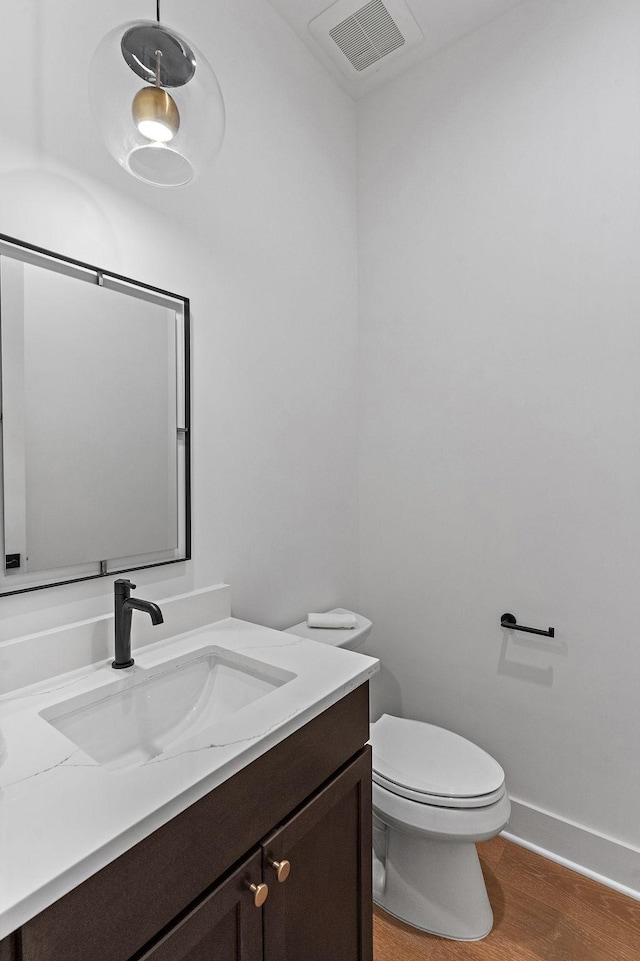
point(352, 638)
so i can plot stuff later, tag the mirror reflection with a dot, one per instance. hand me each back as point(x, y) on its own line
point(95, 433)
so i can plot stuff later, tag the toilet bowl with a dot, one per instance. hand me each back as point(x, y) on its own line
point(435, 794)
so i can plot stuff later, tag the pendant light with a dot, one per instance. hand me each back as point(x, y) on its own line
point(156, 101)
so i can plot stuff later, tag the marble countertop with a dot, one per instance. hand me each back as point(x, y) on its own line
point(63, 816)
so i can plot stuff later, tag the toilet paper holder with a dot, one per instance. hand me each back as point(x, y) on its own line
point(509, 620)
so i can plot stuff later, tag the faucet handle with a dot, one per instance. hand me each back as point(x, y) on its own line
point(123, 585)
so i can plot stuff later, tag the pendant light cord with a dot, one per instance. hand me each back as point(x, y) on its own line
point(158, 10)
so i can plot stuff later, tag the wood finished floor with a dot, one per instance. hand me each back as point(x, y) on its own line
point(542, 912)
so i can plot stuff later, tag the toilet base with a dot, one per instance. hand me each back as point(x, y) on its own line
point(436, 886)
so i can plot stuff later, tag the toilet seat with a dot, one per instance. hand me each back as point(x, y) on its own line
point(430, 765)
point(444, 823)
point(445, 801)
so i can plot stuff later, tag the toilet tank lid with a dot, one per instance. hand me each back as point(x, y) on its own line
point(431, 760)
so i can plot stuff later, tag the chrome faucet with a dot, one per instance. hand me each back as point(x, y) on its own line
point(124, 605)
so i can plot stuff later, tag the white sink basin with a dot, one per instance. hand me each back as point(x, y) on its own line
point(135, 718)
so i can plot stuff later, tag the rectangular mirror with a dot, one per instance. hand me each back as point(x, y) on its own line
point(95, 421)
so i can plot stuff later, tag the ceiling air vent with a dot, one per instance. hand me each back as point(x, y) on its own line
point(366, 33)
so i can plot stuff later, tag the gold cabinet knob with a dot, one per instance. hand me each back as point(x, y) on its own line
point(260, 892)
point(282, 869)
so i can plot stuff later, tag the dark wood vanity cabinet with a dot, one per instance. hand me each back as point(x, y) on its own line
point(314, 914)
point(185, 892)
point(225, 925)
point(321, 911)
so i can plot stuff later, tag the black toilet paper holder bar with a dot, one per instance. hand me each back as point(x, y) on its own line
point(508, 620)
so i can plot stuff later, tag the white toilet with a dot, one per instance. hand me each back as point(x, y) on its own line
point(435, 795)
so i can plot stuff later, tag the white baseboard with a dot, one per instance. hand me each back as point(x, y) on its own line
point(598, 857)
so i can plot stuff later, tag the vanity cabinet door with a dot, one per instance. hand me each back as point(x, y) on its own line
point(9, 948)
point(322, 909)
point(225, 925)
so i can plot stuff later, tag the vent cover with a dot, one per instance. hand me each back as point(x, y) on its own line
point(367, 35)
point(359, 35)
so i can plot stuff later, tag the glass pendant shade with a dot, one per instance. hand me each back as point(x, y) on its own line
point(157, 103)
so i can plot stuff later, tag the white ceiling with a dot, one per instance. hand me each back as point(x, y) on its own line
point(442, 22)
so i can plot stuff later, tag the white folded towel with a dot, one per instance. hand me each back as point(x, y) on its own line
point(332, 621)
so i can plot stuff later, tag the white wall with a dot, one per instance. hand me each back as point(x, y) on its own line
point(264, 244)
point(500, 229)
point(500, 371)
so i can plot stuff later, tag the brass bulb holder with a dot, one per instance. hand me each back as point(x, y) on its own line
point(154, 107)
